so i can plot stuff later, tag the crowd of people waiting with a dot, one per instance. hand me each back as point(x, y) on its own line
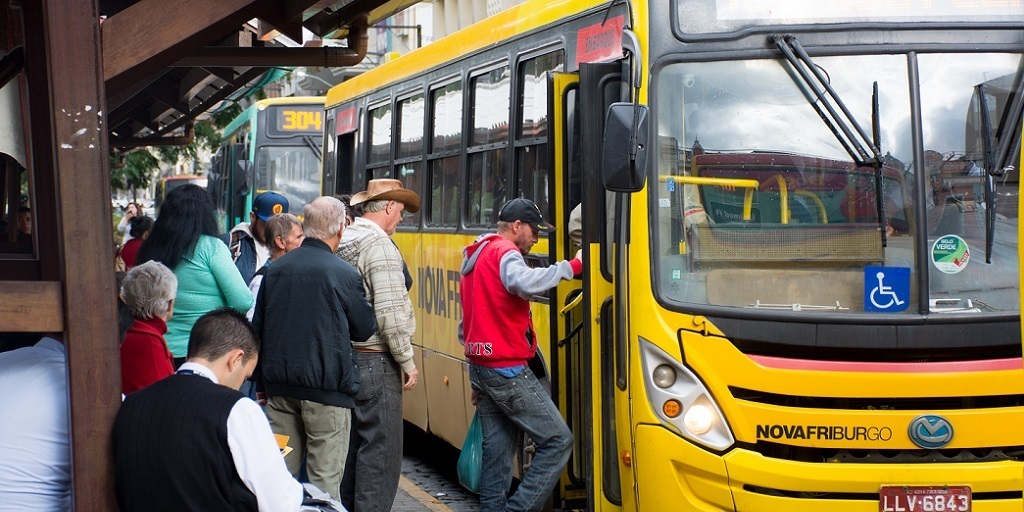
point(312, 320)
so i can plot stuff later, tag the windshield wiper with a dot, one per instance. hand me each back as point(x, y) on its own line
point(1009, 137)
point(997, 164)
point(989, 165)
point(863, 149)
point(313, 145)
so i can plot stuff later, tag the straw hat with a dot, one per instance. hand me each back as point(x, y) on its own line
point(388, 190)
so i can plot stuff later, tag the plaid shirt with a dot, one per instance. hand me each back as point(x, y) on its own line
point(366, 246)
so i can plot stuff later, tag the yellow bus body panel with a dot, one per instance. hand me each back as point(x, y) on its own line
point(675, 474)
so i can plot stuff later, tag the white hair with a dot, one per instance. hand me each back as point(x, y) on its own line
point(148, 289)
point(323, 217)
point(375, 205)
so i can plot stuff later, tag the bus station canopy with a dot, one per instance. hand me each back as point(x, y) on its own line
point(165, 63)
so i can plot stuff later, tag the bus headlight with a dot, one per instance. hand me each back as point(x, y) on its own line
point(699, 420)
point(681, 401)
point(664, 376)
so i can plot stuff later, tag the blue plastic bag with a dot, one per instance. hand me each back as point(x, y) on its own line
point(472, 457)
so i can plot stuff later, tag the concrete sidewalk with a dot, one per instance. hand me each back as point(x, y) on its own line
point(411, 498)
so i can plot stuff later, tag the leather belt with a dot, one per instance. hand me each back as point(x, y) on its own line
point(367, 350)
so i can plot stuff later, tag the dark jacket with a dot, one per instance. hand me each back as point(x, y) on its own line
point(243, 252)
point(311, 306)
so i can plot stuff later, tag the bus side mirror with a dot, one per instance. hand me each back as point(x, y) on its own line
point(624, 153)
point(243, 177)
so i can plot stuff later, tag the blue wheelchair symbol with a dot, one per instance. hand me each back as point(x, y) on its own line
point(886, 289)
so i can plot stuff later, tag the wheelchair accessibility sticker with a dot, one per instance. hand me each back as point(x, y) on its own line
point(886, 289)
point(950, 254)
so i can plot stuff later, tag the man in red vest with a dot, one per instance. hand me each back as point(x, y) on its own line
point(499, 339)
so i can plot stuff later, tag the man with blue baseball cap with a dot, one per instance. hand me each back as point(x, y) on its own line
point(246, 239)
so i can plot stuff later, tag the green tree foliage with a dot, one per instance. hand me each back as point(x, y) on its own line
point(222, 118)
point(133, 170)
point(206, 137)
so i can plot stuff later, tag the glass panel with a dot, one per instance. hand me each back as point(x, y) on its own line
point(534, 99)
point(380, 134)
point(294, 171)
point(491, 96)
point(709, 16)
point(411, 175)
point(534, 175)
point(17, 223)
point(486, 188)
point(410, 127)
point(955, 145)
point(377, 173)
point(785, 219)
point(447, 125)
point(444, 192)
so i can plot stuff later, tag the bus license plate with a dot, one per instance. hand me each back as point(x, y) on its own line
point(933, 498)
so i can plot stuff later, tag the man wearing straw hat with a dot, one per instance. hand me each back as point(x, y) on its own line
point(385, 360)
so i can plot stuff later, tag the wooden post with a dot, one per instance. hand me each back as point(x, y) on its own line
point(71, 32)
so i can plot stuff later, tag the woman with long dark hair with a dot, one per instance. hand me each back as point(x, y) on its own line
point(184, 238)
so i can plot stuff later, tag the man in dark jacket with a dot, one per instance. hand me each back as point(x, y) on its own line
point(311, 307)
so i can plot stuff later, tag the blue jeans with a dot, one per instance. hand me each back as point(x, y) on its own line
point(508, 406)
point(374, 462)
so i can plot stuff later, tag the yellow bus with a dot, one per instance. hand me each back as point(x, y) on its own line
point(802, 287)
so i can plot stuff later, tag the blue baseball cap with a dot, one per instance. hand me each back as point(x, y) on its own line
point(268, 204)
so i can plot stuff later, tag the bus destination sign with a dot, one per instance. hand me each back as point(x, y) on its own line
point(295, 119)
point(600, 42)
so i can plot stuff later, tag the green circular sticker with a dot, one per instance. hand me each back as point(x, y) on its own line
point(950, 254)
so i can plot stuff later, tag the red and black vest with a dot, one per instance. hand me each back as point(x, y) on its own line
point(497, 328)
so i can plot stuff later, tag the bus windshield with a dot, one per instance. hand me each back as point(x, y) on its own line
point(294, 171)
point(724, 16)
point(759, 206)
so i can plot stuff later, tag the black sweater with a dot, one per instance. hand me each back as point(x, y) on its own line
point(311, 306)
point(171, 448)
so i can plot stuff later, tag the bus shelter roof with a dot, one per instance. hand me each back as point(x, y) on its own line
point(166, 63)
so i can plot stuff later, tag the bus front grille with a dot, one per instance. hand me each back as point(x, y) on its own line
point(878, 403)
point(843, 456)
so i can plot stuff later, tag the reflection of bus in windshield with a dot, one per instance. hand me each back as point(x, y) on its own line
point(273, 145)
point(165, 185)
point(808, 216)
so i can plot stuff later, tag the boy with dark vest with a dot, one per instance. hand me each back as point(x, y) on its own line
point(193, 442)
point(499, 340)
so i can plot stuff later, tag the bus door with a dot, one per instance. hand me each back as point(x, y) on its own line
point(583, 364)
point(239, 202)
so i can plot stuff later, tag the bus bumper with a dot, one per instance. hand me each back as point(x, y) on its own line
point(742, 480)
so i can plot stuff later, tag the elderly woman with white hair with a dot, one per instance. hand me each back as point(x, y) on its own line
point(148, 290)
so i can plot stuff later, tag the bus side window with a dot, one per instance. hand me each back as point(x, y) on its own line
point(378, 160)
point(214, 180)
point(445, 142)
point(491, 97)
point(532, 133)
point(409, 150)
